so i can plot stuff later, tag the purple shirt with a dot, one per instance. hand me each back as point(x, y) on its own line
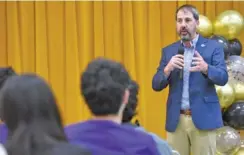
point(108, 138)
point(3, 133)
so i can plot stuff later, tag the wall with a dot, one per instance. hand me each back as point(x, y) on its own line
point(58, 39)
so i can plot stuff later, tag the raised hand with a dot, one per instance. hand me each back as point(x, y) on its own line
point(199, 64)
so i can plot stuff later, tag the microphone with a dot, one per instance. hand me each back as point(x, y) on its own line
point(181, 51)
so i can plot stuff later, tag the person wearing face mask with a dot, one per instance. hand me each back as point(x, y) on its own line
point(191, 67)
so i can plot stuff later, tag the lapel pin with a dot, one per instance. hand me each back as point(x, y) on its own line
point(203, 45)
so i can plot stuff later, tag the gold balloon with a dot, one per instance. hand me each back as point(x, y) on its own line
point(205, 27)
point(226, 95)
point(240, 151)
point(239, 91)
point(242, 142)
point(228, 24)
point(218, 88)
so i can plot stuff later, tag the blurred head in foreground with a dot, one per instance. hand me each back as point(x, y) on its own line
point(28, 108)
point(104, 86)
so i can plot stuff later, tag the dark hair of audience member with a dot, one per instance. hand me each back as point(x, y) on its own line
point(103, 85)
point(5, 73)
point(28, 107)
point(130, 109)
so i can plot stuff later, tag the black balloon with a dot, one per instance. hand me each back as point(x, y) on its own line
point(235, 47)
point(234, 115)
point(224, 42)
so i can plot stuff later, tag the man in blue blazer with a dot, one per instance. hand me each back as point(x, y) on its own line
point(193, 109)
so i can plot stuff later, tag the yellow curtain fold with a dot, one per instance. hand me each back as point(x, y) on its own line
point(58, 39)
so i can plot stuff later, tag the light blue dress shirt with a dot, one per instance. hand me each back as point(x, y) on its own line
point(188, 55)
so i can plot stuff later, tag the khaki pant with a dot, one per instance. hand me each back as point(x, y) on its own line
point(187, 139)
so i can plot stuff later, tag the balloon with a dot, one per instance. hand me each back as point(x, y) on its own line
point(235, 47)
point(205, 27)
point(228, 141)
point(241, 150)
point(218, 89)
point(234, 115)
point(239, 91)
point(235, 67)
point(228, 24)
point(224, 42)
point(242, 143)
point(226, 95)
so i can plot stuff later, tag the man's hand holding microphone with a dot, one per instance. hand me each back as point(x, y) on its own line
point(177, 61)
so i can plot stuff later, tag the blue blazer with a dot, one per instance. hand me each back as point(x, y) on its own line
point(204, 102)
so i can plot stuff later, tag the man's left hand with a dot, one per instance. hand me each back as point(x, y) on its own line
point(199, 64)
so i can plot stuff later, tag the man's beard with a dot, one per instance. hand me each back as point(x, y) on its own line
point(186, 37)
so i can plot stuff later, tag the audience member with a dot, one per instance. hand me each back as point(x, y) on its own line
point(104, 86)
point(28, 108)
point(5, 73)
point(130, 112)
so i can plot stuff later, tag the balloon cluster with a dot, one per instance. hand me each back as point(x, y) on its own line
point(225, 30)
point(231, 97)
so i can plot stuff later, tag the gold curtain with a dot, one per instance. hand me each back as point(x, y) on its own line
point(58, 39)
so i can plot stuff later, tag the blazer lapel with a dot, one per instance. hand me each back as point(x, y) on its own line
point(176, 47)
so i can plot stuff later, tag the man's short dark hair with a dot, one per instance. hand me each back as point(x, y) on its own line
point(190, 8)
point(103, 85)
point(130, 110)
